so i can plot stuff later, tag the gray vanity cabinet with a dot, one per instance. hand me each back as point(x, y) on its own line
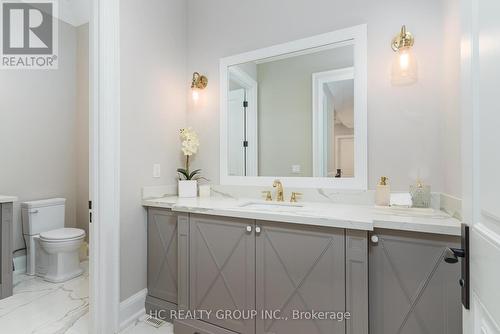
point(204, 262)
point(162, 259)
point(412, 289)
point(299, 268)
point(241, 264)
point(6, 212)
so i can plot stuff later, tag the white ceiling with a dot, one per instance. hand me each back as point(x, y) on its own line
point(74, 12)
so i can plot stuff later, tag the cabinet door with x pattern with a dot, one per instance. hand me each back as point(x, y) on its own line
point(412, 289)
point(162, 254)
point(222, 270)
point(299, 268)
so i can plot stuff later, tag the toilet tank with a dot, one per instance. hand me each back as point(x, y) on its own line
point(43, 215)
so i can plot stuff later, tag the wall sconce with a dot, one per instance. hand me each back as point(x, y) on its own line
point(404, 66)
point(199, 82)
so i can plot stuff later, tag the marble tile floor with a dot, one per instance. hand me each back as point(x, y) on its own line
point(40, 307)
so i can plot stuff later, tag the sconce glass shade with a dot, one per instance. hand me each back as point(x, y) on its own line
point(195, 94)
point(198, 83)
point(404, 67)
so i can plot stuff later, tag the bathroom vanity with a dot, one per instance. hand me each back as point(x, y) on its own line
point(384, 268)
point(380, 269)
point(6, 213)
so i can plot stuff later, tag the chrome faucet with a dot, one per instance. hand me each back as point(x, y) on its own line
point(279, 190)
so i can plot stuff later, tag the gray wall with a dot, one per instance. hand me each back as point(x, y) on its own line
point(154, 87)
point(406, 125)
point(38, 123)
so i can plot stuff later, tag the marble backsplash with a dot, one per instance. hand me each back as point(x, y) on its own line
point(449, 204)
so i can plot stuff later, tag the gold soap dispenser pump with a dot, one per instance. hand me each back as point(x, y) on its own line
point(383, 192)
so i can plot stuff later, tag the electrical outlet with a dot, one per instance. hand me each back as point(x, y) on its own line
point(296, 169)
point(156, 170)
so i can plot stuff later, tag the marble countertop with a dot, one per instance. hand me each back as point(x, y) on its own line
point(7, 199)
point(351, 216)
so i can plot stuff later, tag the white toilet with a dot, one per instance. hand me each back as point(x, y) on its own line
point(52, 249)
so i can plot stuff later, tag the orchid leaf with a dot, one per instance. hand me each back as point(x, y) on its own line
point(183, 172)
point(193, 173)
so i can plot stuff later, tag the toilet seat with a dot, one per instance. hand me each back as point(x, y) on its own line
point(62, 235)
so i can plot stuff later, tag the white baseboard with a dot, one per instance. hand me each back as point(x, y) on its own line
point(132, 309)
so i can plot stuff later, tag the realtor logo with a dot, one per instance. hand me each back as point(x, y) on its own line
point(29, 34)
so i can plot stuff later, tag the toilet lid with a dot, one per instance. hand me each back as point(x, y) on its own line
point(63, 234)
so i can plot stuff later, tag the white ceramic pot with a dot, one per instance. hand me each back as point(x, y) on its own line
point(188, 188)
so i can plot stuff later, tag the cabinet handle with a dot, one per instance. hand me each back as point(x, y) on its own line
point(257, 230)
point(249, 229)
point(374, 239)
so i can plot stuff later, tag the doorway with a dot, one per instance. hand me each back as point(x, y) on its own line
point(243, 124)
point(95, 302)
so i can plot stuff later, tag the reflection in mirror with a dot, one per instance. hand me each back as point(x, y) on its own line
point(293, 114)
point(333, 123)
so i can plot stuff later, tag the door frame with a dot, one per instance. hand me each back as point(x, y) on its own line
point(251, 90)
point(236, 135)
point(104, 166)
point(319, 117)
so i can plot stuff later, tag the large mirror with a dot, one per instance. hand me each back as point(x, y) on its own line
point(297, 111)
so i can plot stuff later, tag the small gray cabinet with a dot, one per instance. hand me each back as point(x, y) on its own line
point(412, 289)
point(222, 268)
point(162, 259)
point(6, 284)
point(299, 268)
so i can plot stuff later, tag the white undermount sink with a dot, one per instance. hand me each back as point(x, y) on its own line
point(271, 206)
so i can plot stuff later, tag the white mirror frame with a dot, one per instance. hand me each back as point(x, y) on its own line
point(355, 36)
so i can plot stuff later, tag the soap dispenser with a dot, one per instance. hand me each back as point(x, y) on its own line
point(420, 195)
point(383, 193)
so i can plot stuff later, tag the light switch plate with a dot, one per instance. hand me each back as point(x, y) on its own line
point(156, 170)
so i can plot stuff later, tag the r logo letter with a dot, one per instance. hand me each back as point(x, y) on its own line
point(27, 28)
point(35, 21)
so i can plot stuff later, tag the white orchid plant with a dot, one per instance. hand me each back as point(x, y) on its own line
point(189, 147)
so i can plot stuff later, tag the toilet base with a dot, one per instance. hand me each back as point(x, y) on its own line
point(67, 277)
point(63, 267)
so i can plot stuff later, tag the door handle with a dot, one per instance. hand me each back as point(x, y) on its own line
point(452, 254)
